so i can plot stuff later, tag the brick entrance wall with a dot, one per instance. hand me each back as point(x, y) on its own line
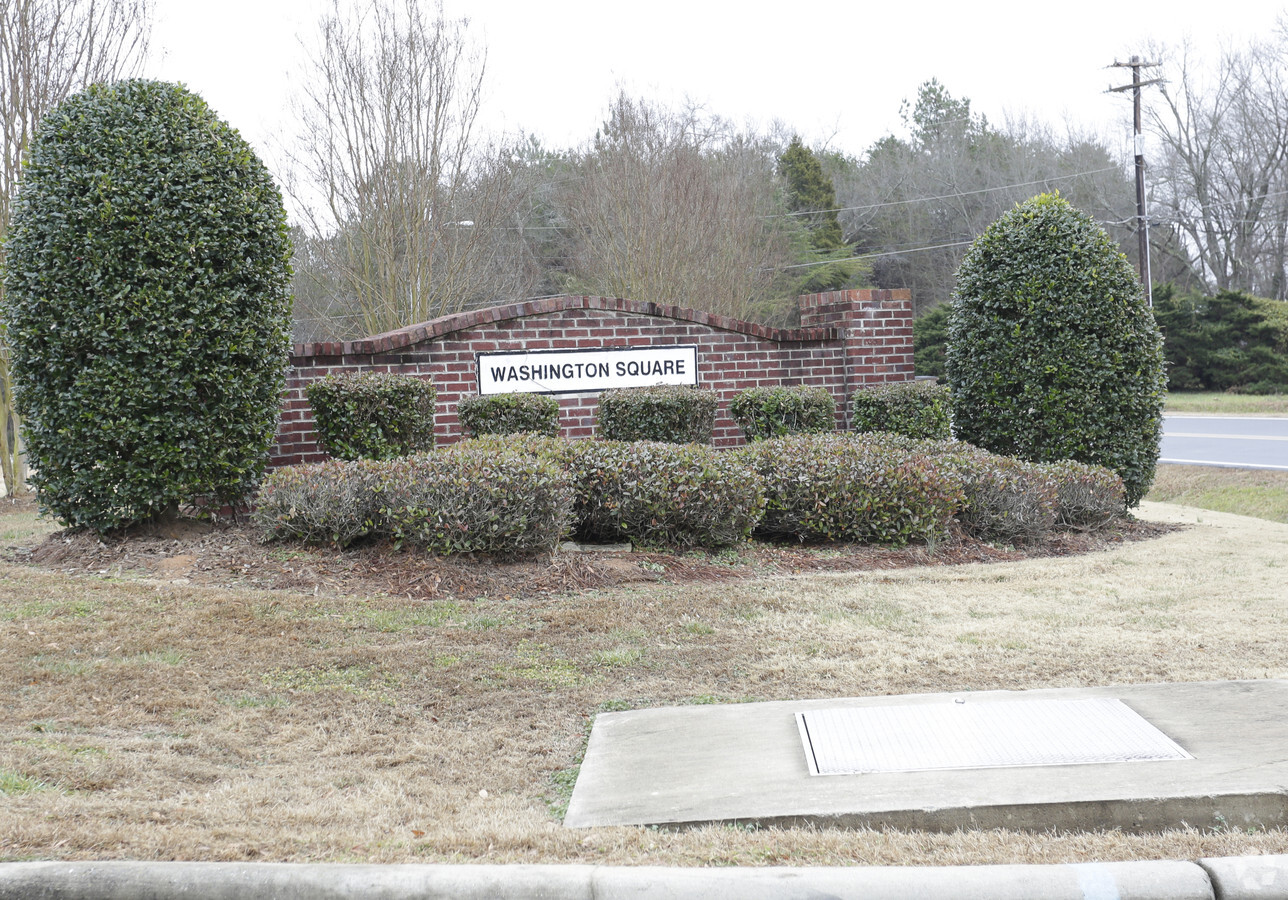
point(847, 339)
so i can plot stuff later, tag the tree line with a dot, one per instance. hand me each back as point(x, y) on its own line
point(407, 211)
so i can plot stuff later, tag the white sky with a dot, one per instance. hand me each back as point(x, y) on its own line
point(833, 70)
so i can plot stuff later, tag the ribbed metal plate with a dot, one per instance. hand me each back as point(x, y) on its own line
point(990, 734)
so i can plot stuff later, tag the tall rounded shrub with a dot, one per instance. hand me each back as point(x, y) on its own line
point(1052, 352)
point(147, 305)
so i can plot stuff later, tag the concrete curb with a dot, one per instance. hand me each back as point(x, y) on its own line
point(1248, 877)
point(1234, 878)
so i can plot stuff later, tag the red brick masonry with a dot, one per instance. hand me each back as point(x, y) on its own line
point(847, 339)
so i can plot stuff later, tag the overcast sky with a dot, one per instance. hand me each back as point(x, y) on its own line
point(833, 70)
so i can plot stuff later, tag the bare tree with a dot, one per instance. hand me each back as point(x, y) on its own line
point(675, 208)
point(1222, 180)
point(408, 216)
point(917, 203)
point(48, 50)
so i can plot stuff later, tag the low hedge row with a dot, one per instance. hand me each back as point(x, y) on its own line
point(512, 413)
point(373, 415)
point(867, 488)
point(916, 409)
point(470, 500)
point(1011, 500)
point(667, 413)
point(657, 493)
point(1005, 499)
point(769, 412)
point(521, 494)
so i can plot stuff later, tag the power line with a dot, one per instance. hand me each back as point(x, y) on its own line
point(872, 255)
point(1004, 187)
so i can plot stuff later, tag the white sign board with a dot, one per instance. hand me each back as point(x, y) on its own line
point(568, 371)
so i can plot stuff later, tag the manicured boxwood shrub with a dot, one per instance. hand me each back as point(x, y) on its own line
point(509, 414)
point(872, 488)
point(333, 502)
point(672, 414)
point(1087, 497)
point(654, 493)
point(373, 415)
point(471, 500)
point(147, 306)
point(766, 412)
point(1052, 353)
point(915, 409)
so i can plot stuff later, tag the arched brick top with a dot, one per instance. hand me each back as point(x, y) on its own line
point(391, 341)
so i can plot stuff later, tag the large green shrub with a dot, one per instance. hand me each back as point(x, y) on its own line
point(1052, 352)
point(915, 409)
point(672, 414)
point(766, 412)
point(147, 305)
point(515, 413)
point(657, 493)
point(873, 488)
point(373, 415)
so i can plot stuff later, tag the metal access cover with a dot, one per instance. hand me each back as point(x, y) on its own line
point(981, 735)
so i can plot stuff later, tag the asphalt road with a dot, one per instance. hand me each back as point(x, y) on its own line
point(1245, 442)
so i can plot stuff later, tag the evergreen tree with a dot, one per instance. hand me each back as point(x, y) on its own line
point(810, 194)
point(809, 190)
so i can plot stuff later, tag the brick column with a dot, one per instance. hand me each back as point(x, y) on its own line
point(877, 329)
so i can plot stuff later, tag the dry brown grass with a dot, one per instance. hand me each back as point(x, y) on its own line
point(150, 718)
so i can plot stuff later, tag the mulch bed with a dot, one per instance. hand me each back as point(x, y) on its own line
point(194, 552)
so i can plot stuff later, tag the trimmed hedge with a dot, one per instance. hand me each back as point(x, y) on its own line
point(673, 414)
point(915, 409)
point(373, 415)
point(471, 500)
point(147, 306)
point(767, 412)
point(1006, 499)
point(656, 493)
point(1087, 497)
point(333, 502)
point(513, 413)
point(1052, 352)
point(519, 494)
point(872, 488)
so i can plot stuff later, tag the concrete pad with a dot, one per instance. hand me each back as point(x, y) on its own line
point(746, 763)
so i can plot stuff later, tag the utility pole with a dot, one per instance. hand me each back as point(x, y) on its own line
point(1142, 215)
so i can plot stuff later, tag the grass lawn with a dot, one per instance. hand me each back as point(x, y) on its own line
point(153, 715)
point(1228, 404)
point(1262, 493)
